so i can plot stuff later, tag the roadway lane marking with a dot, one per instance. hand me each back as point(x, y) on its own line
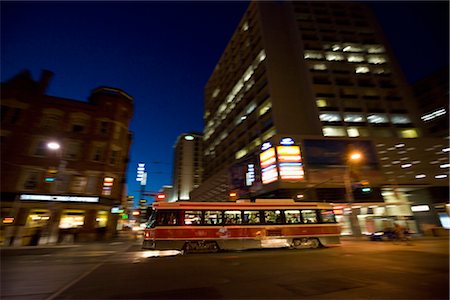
point(85, 274)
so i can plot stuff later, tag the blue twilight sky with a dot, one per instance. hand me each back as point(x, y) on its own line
point(162, 54)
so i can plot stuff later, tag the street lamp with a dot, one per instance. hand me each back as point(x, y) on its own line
point(353, 157)
point(53, 224)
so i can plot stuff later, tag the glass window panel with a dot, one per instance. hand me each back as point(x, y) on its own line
point(167, 217)
point(213, 217)
point(251, 217)
point(355, 58)
point(192, 217)
point(400, 119)
point(330, 117)
point(376, 59)
point(273, 217)
point(327, 216)
point(334, 56)
point(313, 55)
point(352, 117)
point(233, 217)
point(334, 131)
point(377, 118)
point(309, 216)
point(409, 133)
point(292, 216)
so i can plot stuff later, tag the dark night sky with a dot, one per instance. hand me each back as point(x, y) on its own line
point(162, 54)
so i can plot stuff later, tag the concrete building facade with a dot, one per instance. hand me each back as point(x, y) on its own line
point(187, 167)
point(312, 72)
point(63, 161)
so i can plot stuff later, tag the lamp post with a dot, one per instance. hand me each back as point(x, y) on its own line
point(352, 158)
point(54, 219)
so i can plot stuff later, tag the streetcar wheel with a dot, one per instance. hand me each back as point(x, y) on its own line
point(214, 247)
point(313, 243)
point(187, 248)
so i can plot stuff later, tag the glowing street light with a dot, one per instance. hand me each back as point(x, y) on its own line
point(353, 157)
point(53, 146)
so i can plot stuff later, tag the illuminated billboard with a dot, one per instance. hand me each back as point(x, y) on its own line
point(282, 162)
point(268, 162)
point(290, 163)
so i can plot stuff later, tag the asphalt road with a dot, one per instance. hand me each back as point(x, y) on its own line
point(121, 270)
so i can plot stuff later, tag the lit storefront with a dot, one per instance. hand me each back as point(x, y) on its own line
point(49, 219)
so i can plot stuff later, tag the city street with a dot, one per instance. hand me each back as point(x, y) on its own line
point(357, 269)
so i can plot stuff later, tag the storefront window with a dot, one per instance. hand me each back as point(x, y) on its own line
point(102, 218)
point(71, 219)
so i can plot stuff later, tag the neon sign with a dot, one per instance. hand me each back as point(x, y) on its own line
point(268, 166)
point(290, 163)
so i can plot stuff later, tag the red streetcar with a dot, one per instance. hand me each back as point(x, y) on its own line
point(212, 226)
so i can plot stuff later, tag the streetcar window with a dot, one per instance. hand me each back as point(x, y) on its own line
point(327, 216)
point(292, 216)
point(167, 217)
point(309, 216)
point(213, 217)
point(273, 217)
point(232, 217)
point(192, 217)
point(251, 217)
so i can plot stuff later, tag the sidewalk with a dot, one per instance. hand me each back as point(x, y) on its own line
point(116, 239)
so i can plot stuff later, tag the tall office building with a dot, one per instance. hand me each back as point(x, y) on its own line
point(432, 93)
point(321, 77)
point(187, 167)
point(63, 161)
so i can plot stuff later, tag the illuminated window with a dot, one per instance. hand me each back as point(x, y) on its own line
point(265, 107)
point(193, 217)
point(375, 49)
point(101, 219)
point(313, 55)
point(232, 217)
point(272, 217)
point(241, 153)
point(355, 58)
point(400, 119)
point(352, 132)
point(361, 70)
point(268, 134)
point(330, 117)
point(430, 116)
point(334, 131)
point(376, 59)
point(334, 57)
point(108, 183)
point(245, 26)
point(409, 133)
point(353, 48)
point(380, 70)
point(321, 102)
point(251, 217)
point(354, 118)
point(319, 67)
point(377, 118)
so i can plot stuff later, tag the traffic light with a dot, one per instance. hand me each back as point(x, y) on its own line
point(50, 176)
